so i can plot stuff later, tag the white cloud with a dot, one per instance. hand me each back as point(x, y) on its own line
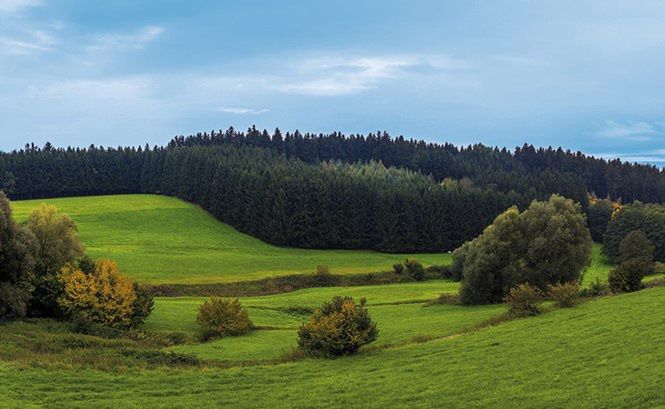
point(339, 75)
point(96, 90)
point(123, 41)
point(635, 131)
point(15, 6)
point(242, 111)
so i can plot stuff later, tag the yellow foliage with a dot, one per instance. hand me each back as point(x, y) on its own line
point(104, 297)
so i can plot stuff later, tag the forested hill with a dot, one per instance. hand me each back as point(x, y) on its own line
point(331, 191)
point(526, 170)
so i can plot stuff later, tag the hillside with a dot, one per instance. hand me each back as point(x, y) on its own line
point(160, 239)
point(604, 353)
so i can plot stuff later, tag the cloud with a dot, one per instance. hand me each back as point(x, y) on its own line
point(123, 41)
point(96, 90)
point(242, 111)
point(654, 157)
point(635, 131)
point(31, 41)
point(16, 6)
point(337, 75)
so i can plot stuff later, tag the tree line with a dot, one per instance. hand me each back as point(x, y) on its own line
point(332, 191)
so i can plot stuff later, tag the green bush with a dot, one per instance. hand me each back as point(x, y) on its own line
point(457, 268)
point(659, 268)
point(564, 294)
point(649, 218)
point(523, 301)
point(339, 327)
point(219, 317)
point(398, 268)
point(414, 268)
point(438, 271)
point(628, 275)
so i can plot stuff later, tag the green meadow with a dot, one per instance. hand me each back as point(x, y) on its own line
point(158, 239)
point(605, 353)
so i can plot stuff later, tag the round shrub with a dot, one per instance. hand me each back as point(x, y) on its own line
point(628, 275)
point(636, 245)
point(414, 268)
point(339, 327)
point(564, 294)
point(219, 317)
point(523, 301)
point(398, 268)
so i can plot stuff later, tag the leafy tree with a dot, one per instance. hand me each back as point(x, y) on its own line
point(636, 245)
point(600, 213)
point(649, 218)
point(104, 297)
point(546, 244)
point(339, 327)
point(58, 245)
point(628, 276)
point(17, 249)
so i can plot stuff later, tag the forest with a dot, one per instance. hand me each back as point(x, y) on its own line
point(333, 191)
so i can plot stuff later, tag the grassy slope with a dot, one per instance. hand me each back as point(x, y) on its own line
point(600, 266)
point(602, 354)
point(165, 240)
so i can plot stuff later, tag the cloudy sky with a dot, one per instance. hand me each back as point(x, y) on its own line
point(586, 75)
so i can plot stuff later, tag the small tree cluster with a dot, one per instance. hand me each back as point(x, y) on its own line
point(564, 294)
point(636, 261)
point(104, 297)
point(339, 327)
point(219, 317)
point(548, 243)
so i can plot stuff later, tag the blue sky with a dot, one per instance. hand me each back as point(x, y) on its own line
point(585, 75)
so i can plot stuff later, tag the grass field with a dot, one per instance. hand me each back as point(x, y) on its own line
point(606, 353)
point(159, 239)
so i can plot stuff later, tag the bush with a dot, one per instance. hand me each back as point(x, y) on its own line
point(649, 218)
point(104, 297)
point(143, 305)
point(659, 268)
point(523, 301)
point(219, 317)
point(337, 328)
point(628, 276)
point(597, 288)
point(438, 271)
point(398, 268)
point(414, 268)
point(323, 277)
point(564, 294)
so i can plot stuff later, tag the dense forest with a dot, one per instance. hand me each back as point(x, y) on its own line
point(332, 191)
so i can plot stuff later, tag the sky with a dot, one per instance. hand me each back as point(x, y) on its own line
point(585, 75)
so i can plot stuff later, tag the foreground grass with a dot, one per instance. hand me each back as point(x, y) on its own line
point(603, 354)
point(159, 239)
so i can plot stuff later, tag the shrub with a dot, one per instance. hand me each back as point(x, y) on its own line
point(597, 288)
point(143, 305)
point(628, 275)
point(398, 268)
point(523, 301)
point(564, 294)
point(219, 317)
point(439, 271)
point(104, 297)
point(659, 268)
point(323, 277)
point(339, 327)
point(414, 268)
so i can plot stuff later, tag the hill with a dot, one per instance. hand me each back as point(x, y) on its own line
point(160, 239)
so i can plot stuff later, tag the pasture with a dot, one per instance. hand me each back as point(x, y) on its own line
point(158, 239)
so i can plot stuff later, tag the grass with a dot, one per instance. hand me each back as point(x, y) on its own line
point(159, 239)
point(601, 354)
point(400, 310)
point(600, 266)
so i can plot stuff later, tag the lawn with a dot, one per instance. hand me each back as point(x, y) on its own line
point(605, 353)
point(159, 239)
